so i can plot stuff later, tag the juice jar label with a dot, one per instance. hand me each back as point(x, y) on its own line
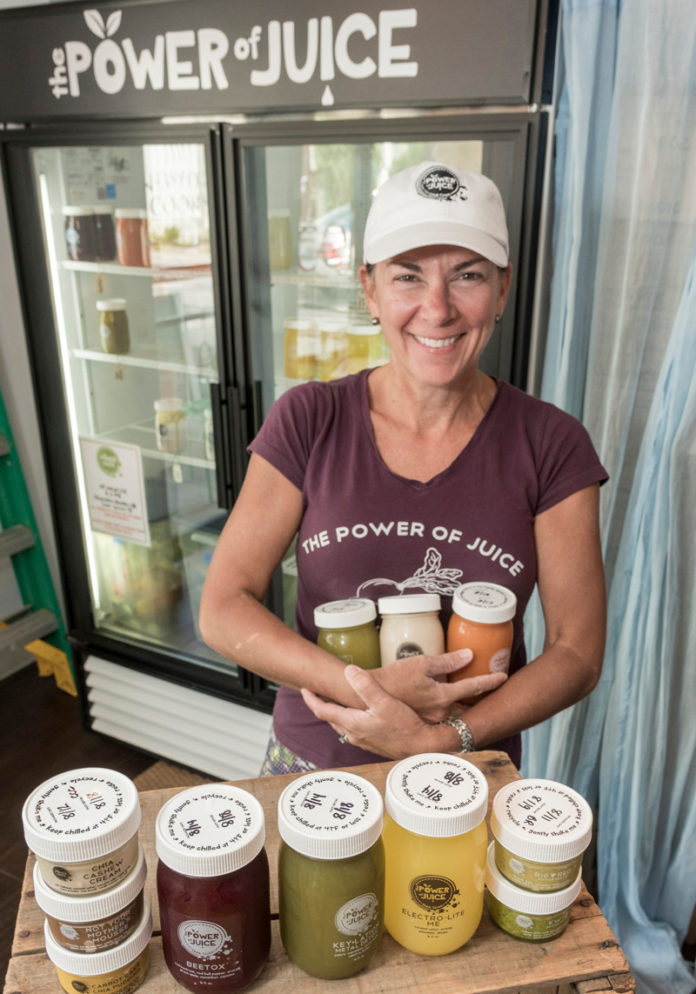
point(208, 950)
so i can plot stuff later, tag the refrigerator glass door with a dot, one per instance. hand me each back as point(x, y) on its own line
point(127, 240)
point(306, 212)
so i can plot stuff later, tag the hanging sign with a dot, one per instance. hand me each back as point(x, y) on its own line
point(113, 474)
point(225, 57)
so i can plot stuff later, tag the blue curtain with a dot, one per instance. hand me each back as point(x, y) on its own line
point(621, 355)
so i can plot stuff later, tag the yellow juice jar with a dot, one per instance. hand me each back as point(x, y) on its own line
point(541, 830)
point(435, 842)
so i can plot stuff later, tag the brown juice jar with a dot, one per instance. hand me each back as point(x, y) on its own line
point(213, 888)
point(80, 234)
point(131, 237)
point(105, 234)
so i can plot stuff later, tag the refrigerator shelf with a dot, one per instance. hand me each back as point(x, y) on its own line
point(144, 436)
point(162, 274)
point(301, 278)
point(143, 362)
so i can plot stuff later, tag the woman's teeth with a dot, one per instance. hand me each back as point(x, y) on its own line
point(437, 343)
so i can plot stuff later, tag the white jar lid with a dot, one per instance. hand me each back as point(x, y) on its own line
point(528, 901)
point(78, 211)
point(94, 964)
point(103, 209)
point(409, 604)
point(330, 815)
point(169, 404)
point(436, 795)
point(297, 324)
point(332, 327)
point(81, 815)
point(130, 212)
point(364, 329)
point(113, 304)
point(489, 603)
point(210, 830)
point(345, 614)
point(90, 909)
point(541, 820)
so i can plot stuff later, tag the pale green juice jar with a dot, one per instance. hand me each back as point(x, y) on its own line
point(348, 630)
point(541, 831)
point(525, 914)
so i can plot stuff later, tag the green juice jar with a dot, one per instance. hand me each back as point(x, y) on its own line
point(348, 630)
point(525, 914)
point(331, 873)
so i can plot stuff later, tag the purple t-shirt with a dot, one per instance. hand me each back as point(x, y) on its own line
point(367, 532)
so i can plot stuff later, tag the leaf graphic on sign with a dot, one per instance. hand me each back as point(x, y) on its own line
point(95, 23)
point(113, 23)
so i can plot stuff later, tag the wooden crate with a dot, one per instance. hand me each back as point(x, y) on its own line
point(585, 959)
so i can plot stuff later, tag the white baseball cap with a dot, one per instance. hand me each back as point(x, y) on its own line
point(435, 204)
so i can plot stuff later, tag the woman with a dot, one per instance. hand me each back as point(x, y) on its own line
point(420, 474)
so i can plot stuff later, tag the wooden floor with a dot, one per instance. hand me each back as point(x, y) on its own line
point(40, 734)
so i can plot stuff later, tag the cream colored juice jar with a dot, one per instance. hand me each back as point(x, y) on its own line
point(410, 626)
point(541, 830)
point(94, 924)
point(525, 914)
point(82, 827)
point(120, 970)
point(435, 842)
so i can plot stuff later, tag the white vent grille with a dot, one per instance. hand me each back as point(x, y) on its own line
point(217, 737)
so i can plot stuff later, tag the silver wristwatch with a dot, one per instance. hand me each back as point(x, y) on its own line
point(466, 736)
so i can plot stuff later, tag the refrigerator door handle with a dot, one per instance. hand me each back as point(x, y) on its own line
point(221, 448)
point(237, 437)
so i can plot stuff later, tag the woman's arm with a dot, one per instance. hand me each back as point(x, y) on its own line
point(571, 586)
point(235, 622)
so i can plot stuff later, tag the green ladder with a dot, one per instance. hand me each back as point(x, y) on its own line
point(37, 630)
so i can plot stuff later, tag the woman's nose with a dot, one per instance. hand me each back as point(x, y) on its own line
point(439, 302)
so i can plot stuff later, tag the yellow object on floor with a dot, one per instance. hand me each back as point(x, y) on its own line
point(50, 660)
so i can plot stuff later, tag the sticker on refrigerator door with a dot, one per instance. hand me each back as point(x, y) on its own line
point(114, 490)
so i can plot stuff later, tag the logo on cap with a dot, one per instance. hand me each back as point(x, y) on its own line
point(440, 183)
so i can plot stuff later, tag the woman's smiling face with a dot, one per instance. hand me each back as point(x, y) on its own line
point(437, 307)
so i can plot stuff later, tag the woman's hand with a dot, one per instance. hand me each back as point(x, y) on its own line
point(386, 725)
point(420, 682)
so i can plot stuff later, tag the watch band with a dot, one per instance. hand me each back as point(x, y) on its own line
point(466, 736)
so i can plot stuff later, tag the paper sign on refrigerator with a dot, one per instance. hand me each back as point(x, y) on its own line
point(113, 474)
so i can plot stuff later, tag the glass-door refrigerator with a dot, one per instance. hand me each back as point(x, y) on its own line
point(122, 250)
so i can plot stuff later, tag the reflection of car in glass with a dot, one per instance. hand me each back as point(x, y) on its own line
point(325, 244)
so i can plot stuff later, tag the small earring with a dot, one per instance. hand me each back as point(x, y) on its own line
point(497, 318)
point(374, 321)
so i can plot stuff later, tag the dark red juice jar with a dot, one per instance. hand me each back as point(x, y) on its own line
point(213, 888)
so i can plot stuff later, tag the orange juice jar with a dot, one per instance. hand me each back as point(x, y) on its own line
point(481, 620)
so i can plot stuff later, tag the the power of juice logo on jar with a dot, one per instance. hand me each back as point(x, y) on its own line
point(356, 916)
point(205, 940)
point(434, 893)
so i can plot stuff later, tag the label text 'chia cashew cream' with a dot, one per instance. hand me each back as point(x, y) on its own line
point(94, 924)
point(82, 827)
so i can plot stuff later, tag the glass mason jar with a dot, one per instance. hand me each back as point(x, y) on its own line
point(481, 620)
point(347, 629)
point(435, 841)
point(410, 626)
point(213, 888)
point(113, 326)
point(330, 873)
